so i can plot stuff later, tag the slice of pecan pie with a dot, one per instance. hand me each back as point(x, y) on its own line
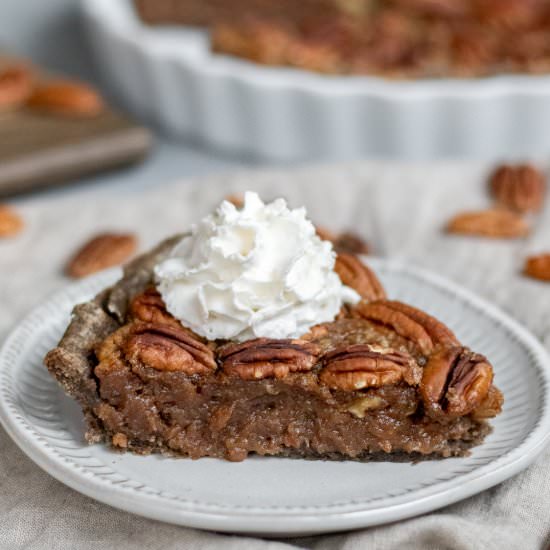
point(383, 381)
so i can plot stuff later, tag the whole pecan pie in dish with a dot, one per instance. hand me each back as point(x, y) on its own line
point(376, 379)
point(394, 38)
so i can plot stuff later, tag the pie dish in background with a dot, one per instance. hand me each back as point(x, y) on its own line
point(169, 76)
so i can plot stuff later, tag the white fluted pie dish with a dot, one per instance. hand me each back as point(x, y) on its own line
point(279, 496)
point(168, 76)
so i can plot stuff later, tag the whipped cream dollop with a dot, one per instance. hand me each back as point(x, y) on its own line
point(257, 271)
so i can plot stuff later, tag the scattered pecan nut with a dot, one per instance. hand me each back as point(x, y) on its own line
point(455, 381)
point(236, 199)
point(103, 251)
point(498, 224)
point(266, 358)
point(521, 188)
point(418, 326)
point(15, 85)
point(167, 348)
point(149, 308)
point(10, 221)
point(538, 267)
point(361, 366)
point(355, 274)
point(63, 97)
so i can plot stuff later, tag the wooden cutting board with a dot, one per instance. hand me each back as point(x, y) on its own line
point(39, 150)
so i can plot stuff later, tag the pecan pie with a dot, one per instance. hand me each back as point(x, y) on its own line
point(395, 38)
point(383, 381)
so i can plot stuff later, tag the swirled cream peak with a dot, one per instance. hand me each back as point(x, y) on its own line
point(258, 271)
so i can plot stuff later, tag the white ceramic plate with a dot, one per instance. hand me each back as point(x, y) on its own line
point(275, 496)
point(169, 76)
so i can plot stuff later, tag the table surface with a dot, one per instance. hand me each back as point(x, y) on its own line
point(400, 210)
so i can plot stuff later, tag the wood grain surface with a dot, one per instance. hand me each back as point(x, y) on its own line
point(39, 149)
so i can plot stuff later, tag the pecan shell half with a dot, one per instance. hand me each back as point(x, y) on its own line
point(521, 188)
point(267, 358)
point(455, 381)
point(363, 366)
point(355, 274)
point(168, 348)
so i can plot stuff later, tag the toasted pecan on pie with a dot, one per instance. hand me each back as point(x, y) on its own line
point(384, 381)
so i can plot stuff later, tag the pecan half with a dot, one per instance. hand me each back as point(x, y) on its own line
point(62, 97)
point(521, 188)
point(105, 250)
point(10, 221)
point(473, 49)
point(347, 241)
point(498, 224)
point(236, 199)
point(508, 14)
point(363, 366)
point(538, 267)
point(352, 243)
point(455, 381)
point(438, 332)
point(149, 308)
point(355, 274)
point(266, 358)
point(15, 85)
point(411, 323)
point(171, 349)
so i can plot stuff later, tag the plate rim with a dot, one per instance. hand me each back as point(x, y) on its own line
point(261, 520)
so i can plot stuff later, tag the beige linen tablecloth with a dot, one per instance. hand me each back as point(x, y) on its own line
point(401, 210)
